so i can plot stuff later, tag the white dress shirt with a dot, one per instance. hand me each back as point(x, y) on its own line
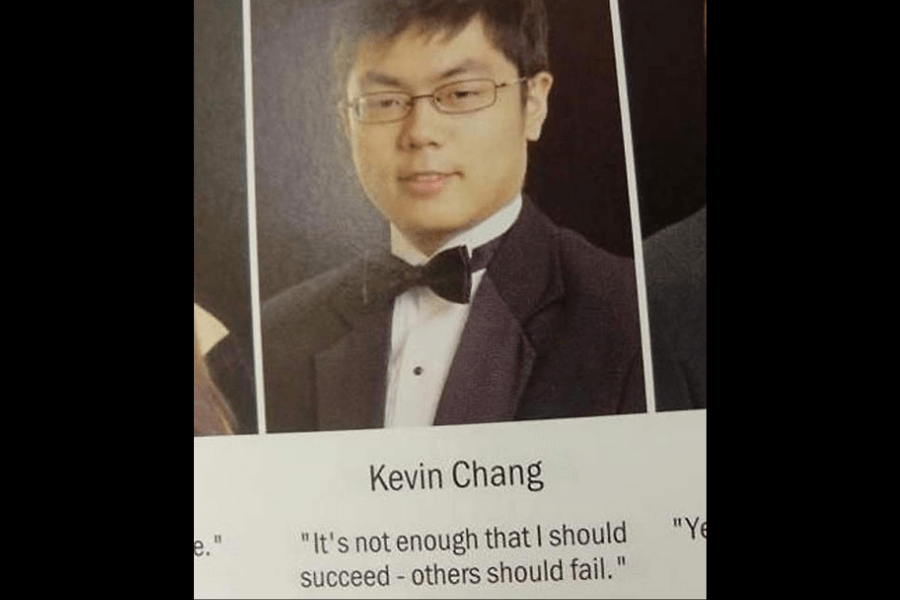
point(426, 329)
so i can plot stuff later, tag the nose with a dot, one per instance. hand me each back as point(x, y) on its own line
point(422, 127)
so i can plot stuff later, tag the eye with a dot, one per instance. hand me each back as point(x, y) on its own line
point(381, 106)
point(465, 96)
point(378, 102)
point(464, 93)
point(382, 101)
point(386, 102)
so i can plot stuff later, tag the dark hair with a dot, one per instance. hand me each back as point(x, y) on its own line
point(517, 28)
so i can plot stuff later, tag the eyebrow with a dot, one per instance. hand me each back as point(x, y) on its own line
point(466, 66)
point(374, 77)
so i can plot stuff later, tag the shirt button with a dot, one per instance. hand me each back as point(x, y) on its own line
point(417, 371)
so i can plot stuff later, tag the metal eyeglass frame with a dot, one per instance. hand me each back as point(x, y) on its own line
point(411, 100)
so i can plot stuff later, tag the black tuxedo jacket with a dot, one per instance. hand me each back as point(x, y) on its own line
point(675, 260)
point(553, 332)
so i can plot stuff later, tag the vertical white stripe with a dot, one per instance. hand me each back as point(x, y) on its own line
point(251, 219)
point(624, 107)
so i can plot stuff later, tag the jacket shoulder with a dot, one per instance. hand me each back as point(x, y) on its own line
point(307, 299)
point(594, 272)
point(302, 319)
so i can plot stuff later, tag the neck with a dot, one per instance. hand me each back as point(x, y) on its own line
point(428, 244)
point(417, 247)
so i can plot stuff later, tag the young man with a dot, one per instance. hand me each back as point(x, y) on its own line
point(486, 311)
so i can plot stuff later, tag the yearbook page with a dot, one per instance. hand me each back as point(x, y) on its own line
point(449, 299)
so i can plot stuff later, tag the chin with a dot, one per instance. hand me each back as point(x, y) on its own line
point(435, 231)
point(437, 218)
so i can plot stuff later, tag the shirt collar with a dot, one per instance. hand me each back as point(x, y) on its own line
point(491, 228)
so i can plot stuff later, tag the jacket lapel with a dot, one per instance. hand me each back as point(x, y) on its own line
point(491, 366)
point(351, 374)
point(504, 335)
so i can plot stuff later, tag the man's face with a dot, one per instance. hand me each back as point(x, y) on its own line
point(434, 174)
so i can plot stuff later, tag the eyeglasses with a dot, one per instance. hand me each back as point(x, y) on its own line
point(455, 98)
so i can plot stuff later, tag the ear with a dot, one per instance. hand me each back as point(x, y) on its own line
point(536, 104)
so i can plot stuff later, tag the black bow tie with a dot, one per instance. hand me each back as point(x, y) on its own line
point(448, 273)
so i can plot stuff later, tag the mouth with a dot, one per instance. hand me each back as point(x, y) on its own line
point(426, 183)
